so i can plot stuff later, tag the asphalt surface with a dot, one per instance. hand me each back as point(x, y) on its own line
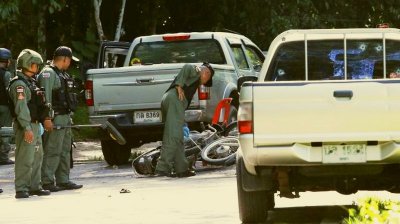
point(209, 197)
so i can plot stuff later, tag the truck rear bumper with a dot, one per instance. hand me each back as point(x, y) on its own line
point(191, 115)
point(146, 132)
point(304, 155)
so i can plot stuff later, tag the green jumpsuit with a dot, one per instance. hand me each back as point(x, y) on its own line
point(5, 121)
point(172, 157)
point(57, 143)
point(28, 156)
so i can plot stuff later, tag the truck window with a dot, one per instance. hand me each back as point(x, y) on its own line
point(256, 60)
point(240, 57)
point(114, 57)
point(392, 61)
point(287, 63)
point(189, 51)
point(326, 60)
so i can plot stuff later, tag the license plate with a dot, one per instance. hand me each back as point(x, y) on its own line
point(149, 116)
point(354, 153)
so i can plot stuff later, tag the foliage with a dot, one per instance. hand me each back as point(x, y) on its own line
point(80, 116)
point(71, 22)
point(44, 25)
point(86, 49)
point(373, 210)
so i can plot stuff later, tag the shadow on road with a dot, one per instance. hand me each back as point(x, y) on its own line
point(310, 214)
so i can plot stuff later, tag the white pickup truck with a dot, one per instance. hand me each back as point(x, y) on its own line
point(131, 95)
point(323, 115)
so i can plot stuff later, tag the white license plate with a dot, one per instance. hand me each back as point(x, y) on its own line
point(354, 153)
point(148, 116)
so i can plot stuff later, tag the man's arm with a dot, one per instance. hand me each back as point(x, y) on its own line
point(46, 79)
point(19, 93)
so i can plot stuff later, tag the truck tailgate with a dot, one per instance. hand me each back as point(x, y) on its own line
point(305, 112)
point(129, 88)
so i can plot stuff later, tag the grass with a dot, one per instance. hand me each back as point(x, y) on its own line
point(374, 210)
point(81, 117)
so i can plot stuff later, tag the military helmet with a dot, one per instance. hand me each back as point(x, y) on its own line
point(5, 54)
point(27, 57)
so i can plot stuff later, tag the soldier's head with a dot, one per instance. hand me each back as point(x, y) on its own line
point(5, 57)
point(62, 57)
point(206, 74)
point(29, 61)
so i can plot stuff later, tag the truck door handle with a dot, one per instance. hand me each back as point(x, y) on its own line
point(343, 93)
point(144, 80)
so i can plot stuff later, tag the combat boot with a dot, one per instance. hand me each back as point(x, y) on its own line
point(22, 194)
point(52, 187)
point(40, 192)
point(188, 173)
point(69, 186)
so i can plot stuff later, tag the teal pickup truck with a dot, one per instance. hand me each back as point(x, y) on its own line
point(130, 95)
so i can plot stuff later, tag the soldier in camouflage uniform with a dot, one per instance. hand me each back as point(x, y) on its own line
point(5, 115)
point(29, 112)
point(58, 86)
point(175, 100)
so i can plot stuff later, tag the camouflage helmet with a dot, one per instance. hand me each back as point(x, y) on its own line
point(27, 57)
point(5, 54)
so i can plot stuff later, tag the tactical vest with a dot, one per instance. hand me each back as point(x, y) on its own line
point(3, 90)
point(188, 90)
point(36, 104)
point(64, 100)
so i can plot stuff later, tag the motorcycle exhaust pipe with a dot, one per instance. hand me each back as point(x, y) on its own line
point(107, 126)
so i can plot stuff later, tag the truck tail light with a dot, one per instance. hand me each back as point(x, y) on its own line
point(204, 92)
point(89, 93)
point(176, 37)
point(245, 118)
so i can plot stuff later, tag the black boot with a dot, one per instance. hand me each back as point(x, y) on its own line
point(40, 192)
point(69, 186)
point(52, 187)
point(22, 194)
point(188, 173)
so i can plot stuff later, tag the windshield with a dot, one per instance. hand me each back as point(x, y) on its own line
point(326, 60)
point(190, 51)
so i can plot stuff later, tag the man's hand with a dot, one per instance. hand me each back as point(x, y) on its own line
point(48, 125)
point(181, 93)
point(28, 136)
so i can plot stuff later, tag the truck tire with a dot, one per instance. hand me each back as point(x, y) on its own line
point(114, 153)
point(253, 205)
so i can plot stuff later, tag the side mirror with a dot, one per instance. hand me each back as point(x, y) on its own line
point(243, 79)
point(257, 68)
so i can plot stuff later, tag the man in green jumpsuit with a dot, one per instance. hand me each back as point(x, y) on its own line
point(29, 112)
point(174, 102)
point(57, 142)
point(5, 115)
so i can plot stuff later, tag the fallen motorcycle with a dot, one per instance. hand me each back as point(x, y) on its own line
point(216, 145)
point(195, 146)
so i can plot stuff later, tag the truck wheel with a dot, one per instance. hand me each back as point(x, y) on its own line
point(114, 153)
point(253, 205)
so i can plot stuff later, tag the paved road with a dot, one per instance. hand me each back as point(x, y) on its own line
point(209, 197)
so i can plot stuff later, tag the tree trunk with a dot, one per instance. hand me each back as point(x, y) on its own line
point(100, 32)
point(121, 18)
point(41, 31)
